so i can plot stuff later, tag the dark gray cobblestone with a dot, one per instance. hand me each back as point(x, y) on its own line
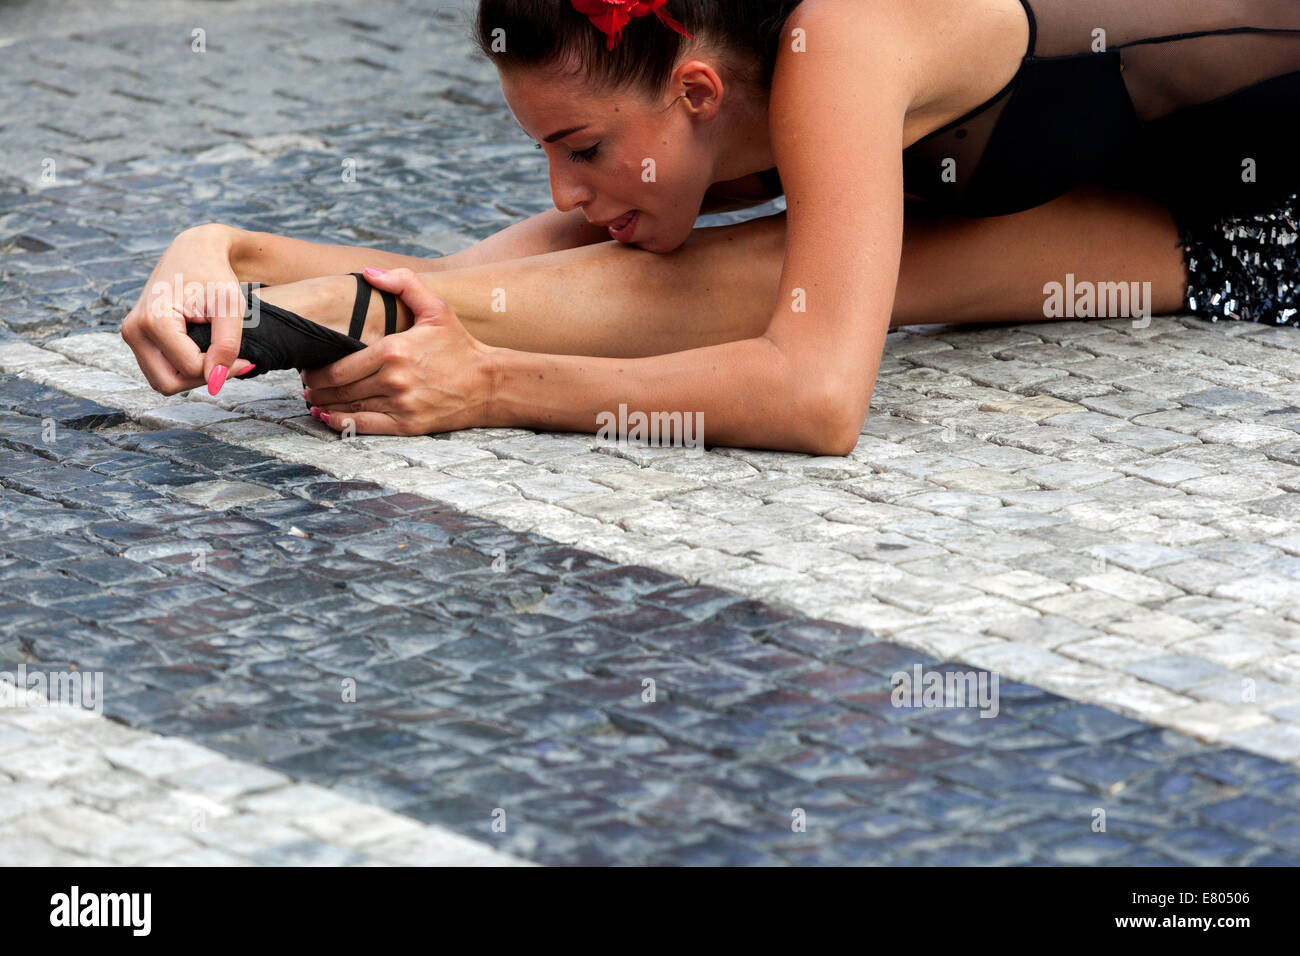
point(478, 690)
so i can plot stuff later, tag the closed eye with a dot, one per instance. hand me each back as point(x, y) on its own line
point(585, 156)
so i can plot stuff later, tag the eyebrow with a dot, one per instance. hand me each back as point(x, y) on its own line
point(560, 134)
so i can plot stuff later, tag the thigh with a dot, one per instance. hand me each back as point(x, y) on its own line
point(995, 269)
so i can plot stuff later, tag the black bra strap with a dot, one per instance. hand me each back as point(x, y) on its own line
point(1197, 34)
point(360, 307)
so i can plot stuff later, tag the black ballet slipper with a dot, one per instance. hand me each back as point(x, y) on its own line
point(281, 339)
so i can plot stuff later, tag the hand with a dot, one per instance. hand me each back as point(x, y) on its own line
point(193, 281)
point(434, 377)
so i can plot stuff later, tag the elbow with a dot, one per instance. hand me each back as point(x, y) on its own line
point(830, 402)
point(839, 417)
point(842, 436)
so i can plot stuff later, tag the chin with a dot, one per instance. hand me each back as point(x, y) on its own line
point(662, 248)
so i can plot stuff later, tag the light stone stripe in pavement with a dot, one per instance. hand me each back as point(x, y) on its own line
point(1063, 588)
point(77, 789)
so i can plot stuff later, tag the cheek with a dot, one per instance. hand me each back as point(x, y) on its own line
point(656, 179)
point(655, 174)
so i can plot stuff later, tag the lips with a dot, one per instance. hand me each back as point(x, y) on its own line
point(625, 227)
point(622, 220)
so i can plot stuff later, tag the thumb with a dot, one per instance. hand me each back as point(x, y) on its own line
point(427, 307)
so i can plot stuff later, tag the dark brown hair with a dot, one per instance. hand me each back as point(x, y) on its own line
point(545, 32)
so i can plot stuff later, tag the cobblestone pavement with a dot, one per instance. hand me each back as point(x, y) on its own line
point(82, 790)
point(1105, 516)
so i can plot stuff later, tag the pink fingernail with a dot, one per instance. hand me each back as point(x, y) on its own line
point(245, 371)
point(370, 271)
point(216, 379)
point(315, 411)
point(325, 417)
point(304, 393)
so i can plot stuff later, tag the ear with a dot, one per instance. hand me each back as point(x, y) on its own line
point(701, 85)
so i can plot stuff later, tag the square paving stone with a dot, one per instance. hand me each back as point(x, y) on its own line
point(220, 494)
point(698, 602)
point(1206, 845)
point(336, 523)
point(391, 505)
point(1088, 724)
point(1245, 813)
point(1102, 767)
point(110, 571)
point(629, 583)
point(46, 588)
point(1177, 671)
point(280, 475)
point(219, 457)
point(475, 736)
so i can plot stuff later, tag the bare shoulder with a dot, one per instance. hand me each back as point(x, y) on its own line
point(938, 58)
point(857, 20)
point(836, 55)
point(930, 18)
point(851, 43)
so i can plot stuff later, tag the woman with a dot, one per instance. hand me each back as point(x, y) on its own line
point(1036, 143)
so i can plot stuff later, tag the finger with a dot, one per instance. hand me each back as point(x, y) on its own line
point(376, 403)
point(424, 303)
point(182, 352)
point(369, 387)
point(363, 423)
point(164, 299)
point(161, 374)
point(225, 308)
point(349, 369)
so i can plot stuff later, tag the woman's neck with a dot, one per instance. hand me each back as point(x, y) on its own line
point(744, 141)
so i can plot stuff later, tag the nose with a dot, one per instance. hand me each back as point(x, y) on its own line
point(568, 193)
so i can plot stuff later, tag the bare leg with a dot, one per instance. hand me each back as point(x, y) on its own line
point(328, 301)
point(603, 299)
point(994, 270)
point(614, 300)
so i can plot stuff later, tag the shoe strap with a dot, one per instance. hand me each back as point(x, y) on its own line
point(390, 312)
point(248, 288)
point(360, 307)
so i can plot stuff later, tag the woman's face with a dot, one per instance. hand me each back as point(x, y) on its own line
point(620, 153)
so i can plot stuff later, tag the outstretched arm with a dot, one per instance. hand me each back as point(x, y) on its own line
point(804, 385)
point(273, 260)
point(215, 257)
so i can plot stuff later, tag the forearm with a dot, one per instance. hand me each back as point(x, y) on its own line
point(549, 231)
point(747, 394)
point(274, 260)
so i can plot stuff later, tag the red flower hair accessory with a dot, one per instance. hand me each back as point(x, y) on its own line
point(611, 16)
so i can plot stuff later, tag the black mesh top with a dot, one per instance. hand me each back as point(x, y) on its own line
point(1193, 102)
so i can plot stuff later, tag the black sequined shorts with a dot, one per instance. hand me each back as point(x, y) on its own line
point(1245, 267)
